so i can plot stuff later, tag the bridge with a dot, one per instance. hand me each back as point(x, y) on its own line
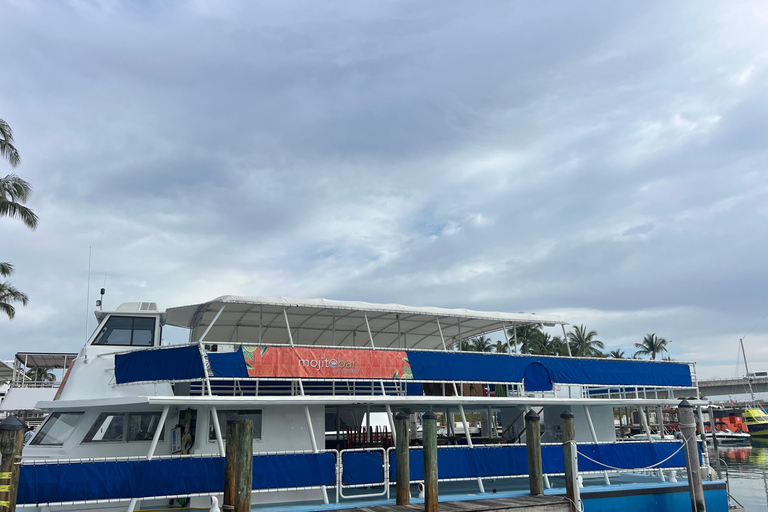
point(732, 386)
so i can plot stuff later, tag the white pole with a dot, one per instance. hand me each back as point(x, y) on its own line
point(314, 444)
point(288, 326)
point(217, 430)
point(441, 334)
point(207, 329)
point(158, 431)
point(368, 326)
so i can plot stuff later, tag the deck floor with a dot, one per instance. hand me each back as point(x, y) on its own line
point(532, 503)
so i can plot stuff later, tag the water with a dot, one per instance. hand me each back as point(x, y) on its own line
point(748, 471)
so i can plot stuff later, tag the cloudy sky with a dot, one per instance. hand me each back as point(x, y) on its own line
point(602, 160)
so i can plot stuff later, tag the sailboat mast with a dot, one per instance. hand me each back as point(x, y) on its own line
point(746, 367)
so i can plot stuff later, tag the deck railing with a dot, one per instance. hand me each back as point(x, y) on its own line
point(101, 480)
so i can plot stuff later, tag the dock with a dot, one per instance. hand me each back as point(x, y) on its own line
point(512, 504)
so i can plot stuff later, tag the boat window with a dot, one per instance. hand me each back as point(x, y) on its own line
point(127, 331)
point(57, 428)
point(112, 427)
point(225, 416)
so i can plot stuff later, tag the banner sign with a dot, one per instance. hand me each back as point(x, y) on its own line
point(326, 363)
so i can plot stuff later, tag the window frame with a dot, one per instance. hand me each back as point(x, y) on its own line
point(50, 421)
point(126, 434)
point(106, 331)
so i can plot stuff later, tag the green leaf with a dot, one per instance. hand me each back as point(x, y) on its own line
point(248, 352)
point(395, 375)
point(406, 360)
point(263, 351)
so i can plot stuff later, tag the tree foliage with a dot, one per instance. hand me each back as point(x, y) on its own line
point(584, 343)
point(14, 193)
point(651, 345)
point(40, 374)
point(7, 149)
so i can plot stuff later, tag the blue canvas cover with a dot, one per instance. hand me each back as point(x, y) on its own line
point(362, 468)
point(228, 364)
point(82, 481)
point(495, 461)
point(561, 370)
point(165, 364)
point(538, 373)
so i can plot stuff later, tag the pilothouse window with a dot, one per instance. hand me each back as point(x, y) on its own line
point(57, 428)
point(127, 331)
point(112, 427)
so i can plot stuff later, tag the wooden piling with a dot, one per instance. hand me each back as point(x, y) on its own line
point(533, 444)
point(402, 448)
point(568, 429)
point(11, 445)
point(429, 437)
point(238, 466)
point(688, 429)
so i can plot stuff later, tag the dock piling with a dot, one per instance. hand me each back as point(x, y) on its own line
point(238, 466)
point(688, 429)
point(429, 430)
point(11, 445)
point(403, 484)
point(533, 444)
point(568, 429)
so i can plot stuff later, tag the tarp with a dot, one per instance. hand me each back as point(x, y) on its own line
point(538, 373)
point(362, 468)
point(176, 363)
point(83, 481)
point(496, 461)
point(228, 364)
point(561, 370)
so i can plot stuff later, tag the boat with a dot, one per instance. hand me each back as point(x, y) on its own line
point(756, 421)
point(138, 423)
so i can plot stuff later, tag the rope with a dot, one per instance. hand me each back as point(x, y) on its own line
point(624, 469)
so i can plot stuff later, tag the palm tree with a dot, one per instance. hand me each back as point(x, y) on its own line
point(477, 344)
point(7, 150)
point(14, 192)
point(9, 294)
point(40, 374)
point(617, 354)
point(652, 345)
point(584, 344)
point(526, 335)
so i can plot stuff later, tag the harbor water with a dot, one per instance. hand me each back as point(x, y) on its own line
point(748, 472)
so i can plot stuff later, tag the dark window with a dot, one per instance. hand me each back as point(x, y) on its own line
point(127, 331)
point(111, 426)
point(57, 428)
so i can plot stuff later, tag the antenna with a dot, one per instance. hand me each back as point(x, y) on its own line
point(88, 293)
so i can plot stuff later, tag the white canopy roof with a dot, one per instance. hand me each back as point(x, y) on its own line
point(339, 323)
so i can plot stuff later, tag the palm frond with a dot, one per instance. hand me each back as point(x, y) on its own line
point(7, 149)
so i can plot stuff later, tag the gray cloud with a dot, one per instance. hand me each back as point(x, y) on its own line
point(604, 161)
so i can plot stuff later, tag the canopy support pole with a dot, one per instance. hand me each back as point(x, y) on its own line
point(514, 332)
point(288, 326)
point(368, 326)
point(207, 329)
point(217, 430)
point(158, 431)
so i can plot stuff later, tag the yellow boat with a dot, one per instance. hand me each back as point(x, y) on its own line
point(756, 421)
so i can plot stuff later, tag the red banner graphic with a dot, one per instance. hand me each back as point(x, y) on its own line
point(326, 363)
